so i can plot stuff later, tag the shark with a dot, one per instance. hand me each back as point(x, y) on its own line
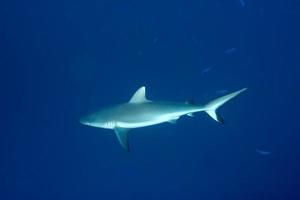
point(139, 112)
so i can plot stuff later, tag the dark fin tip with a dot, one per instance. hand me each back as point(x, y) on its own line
point(220, 119)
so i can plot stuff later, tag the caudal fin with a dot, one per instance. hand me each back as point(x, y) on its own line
point(212, 106)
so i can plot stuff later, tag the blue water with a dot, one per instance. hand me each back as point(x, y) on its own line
point(61, 59)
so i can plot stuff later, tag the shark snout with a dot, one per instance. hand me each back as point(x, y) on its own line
point(84, 121)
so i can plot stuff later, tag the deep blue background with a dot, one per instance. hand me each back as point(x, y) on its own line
point(62, 58)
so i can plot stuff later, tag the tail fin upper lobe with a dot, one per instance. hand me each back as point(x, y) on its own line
point(211, 107)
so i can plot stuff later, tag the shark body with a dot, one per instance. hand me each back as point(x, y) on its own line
point(141, 112)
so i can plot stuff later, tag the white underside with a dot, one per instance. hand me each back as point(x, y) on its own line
point(157, 120)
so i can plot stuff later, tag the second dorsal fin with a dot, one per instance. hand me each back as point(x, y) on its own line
point(139, 96)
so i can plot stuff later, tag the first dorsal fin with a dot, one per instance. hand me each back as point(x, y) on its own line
point(139, 96)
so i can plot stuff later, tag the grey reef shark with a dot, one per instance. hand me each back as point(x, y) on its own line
point(140, 112)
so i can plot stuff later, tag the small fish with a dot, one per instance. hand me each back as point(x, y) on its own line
point(263, 152)
point(206, 70)
point(140, 53)
point(231, 50)
point(242, 3)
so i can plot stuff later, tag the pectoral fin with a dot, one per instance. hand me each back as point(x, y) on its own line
point(122, 135)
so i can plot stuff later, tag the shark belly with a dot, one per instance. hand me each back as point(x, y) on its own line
point(147, 119)
point(151, 113)
point(137, 124)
